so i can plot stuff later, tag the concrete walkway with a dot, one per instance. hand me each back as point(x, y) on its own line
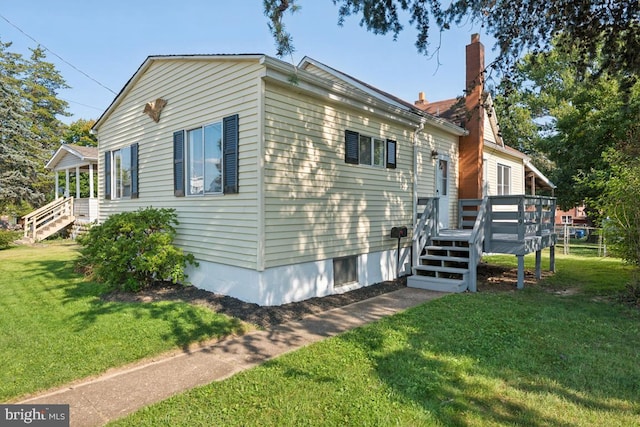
point(122, 391)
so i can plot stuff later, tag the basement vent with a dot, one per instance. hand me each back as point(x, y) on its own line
point(345, 270)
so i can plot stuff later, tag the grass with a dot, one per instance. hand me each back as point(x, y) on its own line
point(537, 357)
point(56, 328)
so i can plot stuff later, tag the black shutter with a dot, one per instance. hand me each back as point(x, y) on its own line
point(230, 154)
point(391, 153)
point(351, 147)
point(178, 163)
point(107, 175)
point(134, 171)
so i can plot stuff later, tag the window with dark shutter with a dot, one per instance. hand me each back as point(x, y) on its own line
point(107, 175)
point(391, 153)
point(351, 147)
point(230, 153)
point(134, 171)
point(178, 163)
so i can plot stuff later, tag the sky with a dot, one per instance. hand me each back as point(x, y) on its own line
point(98, 45)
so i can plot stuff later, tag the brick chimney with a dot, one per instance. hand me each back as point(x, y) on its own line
point(470, 154)
point(422, 101)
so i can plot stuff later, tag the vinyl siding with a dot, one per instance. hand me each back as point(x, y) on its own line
point(488, 130)
point(214, 228)
point(444, 143)
point(316, 205)
point(491, 160)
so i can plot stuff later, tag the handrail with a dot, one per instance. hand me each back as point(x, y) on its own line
point(475, 243)
point(421, 232)
point(49, 212)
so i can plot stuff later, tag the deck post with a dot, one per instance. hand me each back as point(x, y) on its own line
point(520, 271)
point(552, 258)
point(539, 264)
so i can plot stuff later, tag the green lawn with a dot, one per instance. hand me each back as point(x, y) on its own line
point(55, 328)
point(537, 357)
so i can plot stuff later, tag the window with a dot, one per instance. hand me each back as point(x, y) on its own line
point(504, 180)
point(121, 173)
point(205, 159)
point(366, 150)
point(345, 270)
point(566, 219)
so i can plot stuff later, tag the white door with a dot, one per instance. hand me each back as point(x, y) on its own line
point(442, 190)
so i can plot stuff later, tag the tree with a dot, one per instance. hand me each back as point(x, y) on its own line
point(18, 166)
point(553, 114)
point(517, 25)
point(29, 127)
point(79, 133)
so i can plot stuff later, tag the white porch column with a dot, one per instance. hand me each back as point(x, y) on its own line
point(66, 188)
point(91, 196)
point(57, 187)
point(77, 182)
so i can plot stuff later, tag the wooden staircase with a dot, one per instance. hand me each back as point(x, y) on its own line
point(49, 219)
point(444, 264)
point(447, 260)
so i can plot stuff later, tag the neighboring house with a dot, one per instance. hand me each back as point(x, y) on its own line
point(72, 209)
point(574, 216)
point(286, 180)
point(505, 170)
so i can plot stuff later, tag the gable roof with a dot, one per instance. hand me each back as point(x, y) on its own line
point(153, 58)
point(84, 155)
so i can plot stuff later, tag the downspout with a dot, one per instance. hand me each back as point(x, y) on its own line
point(416, 140)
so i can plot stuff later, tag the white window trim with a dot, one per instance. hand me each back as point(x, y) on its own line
point(187, 169)
point(372, 146)
point(501, 186)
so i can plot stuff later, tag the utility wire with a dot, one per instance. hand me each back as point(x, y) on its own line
point(57, 56)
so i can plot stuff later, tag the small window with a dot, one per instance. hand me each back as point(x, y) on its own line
point(567, 219)
point(504, 180)
point(345, 271)
point(367, 150)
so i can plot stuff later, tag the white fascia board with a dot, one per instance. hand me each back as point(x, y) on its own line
point(539, 174)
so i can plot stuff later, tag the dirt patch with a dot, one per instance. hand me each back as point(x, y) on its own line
point(264, 317)
point(491, 278)
point(495, 278)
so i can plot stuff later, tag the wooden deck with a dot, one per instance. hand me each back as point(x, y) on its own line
point(516, 225)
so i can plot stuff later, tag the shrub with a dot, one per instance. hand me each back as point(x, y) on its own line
point(133, 250)
point(7, 237)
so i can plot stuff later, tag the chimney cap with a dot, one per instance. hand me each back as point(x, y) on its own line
point(475, 38)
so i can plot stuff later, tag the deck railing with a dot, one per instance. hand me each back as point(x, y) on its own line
point(476, 242)
point(520, 217)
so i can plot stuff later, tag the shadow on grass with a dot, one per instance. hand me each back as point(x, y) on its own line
point(482, 369)
point(187, 324)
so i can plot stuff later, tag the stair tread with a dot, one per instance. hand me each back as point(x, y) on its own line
point(447, 248)
point(433, 257)
point(442, 269)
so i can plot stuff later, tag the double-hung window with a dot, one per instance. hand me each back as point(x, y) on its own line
point(367, 150)
point(371, 151)
point(121, 173)
point(504, 180)
point(204, 160)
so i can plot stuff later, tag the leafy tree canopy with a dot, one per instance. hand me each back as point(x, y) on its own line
point(549, 112)
point(517, 25)
point(79, 133)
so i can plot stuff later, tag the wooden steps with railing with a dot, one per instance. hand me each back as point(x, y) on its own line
point(49, 219)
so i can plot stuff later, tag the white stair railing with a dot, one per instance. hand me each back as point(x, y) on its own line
point(39, 218)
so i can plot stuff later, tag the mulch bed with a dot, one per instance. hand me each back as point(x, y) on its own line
point(490, 278)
